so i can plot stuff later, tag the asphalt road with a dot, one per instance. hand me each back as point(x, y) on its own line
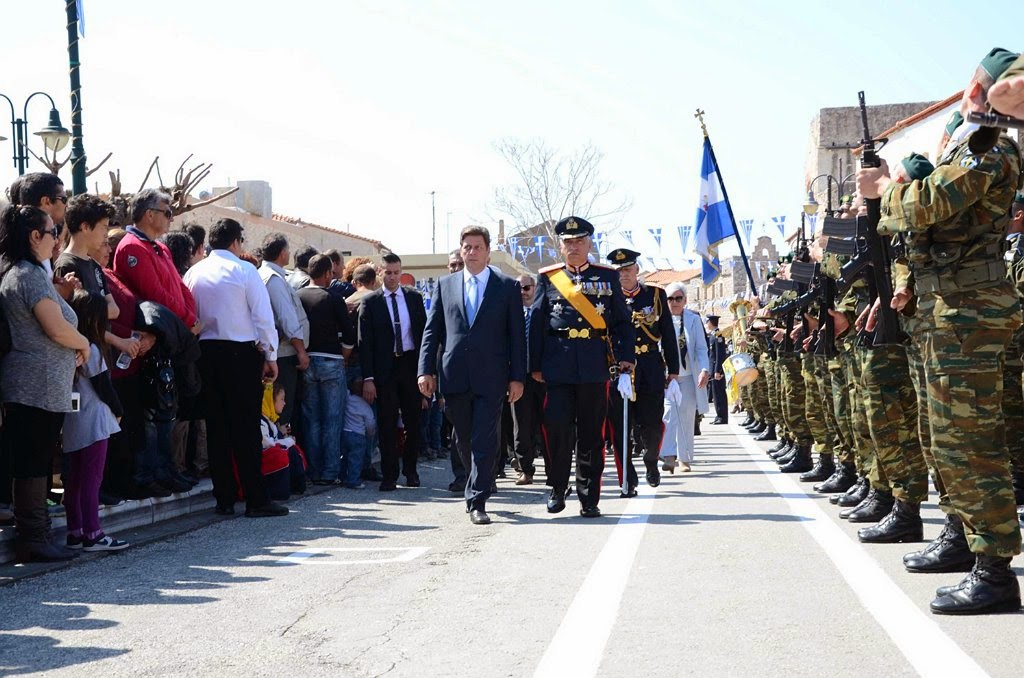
point(731, 570)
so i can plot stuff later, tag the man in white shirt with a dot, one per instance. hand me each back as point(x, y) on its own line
point(239, 350)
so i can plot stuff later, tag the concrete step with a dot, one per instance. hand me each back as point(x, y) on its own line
point(131, 514)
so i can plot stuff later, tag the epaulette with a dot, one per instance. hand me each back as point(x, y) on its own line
point(552, 267)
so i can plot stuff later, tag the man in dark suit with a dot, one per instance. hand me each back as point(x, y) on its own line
point(476, 320)
point(717, 352)
point(391, 321)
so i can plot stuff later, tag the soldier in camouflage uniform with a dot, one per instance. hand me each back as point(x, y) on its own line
point(954, 222)
point(1013, 398)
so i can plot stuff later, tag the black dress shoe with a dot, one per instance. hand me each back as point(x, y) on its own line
point(479, 517)
point(268, 510)
point(630, 492)
point(903, 524)
point(388, 486)
point(457, 486)
point(590, 512)
point(822, 470)
point(556, 503)
point(946, 553)
point(719, 421)
point(767, 434)
point(224, 509)
point(413, 480)
point(990, 588)
point(843, 479)
point(801, 462)
point(653, 479)
point(874, 508)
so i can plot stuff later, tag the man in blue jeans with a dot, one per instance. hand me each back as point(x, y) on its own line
point(331, 338)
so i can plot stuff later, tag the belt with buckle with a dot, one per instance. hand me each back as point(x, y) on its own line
point(581, 333)
point(646, 348)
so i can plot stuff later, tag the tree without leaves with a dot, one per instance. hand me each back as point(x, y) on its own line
point(553, 185)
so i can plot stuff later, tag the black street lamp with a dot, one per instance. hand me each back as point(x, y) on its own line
point(811, 206)
point(54, 135)
point(78, 172)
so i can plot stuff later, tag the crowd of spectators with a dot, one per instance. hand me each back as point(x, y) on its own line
point(138, 360)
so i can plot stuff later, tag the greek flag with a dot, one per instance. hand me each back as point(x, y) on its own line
point(714, 221)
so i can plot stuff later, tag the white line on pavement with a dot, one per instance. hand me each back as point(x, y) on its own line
point(928, 649)
point(404, 555)
point(578, 645)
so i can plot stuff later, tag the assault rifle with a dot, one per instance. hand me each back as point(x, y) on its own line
point(824, 289)
point(887, 327)
point(992, 125)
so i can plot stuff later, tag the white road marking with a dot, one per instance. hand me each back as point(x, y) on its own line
point(578, 645)
point(925, 645)
point(404, 554)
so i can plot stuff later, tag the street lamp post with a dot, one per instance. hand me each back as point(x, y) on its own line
point(811, 206)
point(77, 147)
point(54, 135)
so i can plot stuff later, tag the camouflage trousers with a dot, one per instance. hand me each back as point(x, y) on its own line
point(759, 393)
point(794, 399)
point(1013, 400)
point(773, 372)
point(814, 406)
point(824, 382)
point(841, 402)
point(924, 434)
point(890, 404)
point(863, 454)
point(964, 372)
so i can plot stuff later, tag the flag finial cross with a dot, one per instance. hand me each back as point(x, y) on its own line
point(699, 114)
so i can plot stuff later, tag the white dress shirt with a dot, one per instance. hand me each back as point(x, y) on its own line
point(231, 302)
point(403, 317)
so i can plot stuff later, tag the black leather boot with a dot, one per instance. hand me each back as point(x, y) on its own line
point(990, 588)
point(767, 434)
point(784, 459)
point(874, 509)
point(778, 446)
point(903, 524)
point(856, 494)
point(844, 477)
point(822, 470)
point(801, 462)
point(782, 451)
point(749, 420)
point(760, 428)
point(946, 553)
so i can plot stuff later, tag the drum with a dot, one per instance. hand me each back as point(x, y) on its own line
point(741, 367)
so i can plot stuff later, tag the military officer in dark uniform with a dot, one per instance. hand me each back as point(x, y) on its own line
point(717, 352)
point(655, 351)
point(579, 326)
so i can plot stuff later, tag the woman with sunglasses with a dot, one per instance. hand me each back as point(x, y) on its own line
point(36, 374)
point(683, 406)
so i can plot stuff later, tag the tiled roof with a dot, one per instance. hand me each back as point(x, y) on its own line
point(667, 276)
point(295, 220)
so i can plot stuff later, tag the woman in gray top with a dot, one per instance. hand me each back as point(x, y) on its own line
point(36, 375)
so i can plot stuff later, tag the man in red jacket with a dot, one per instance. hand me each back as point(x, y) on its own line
point(144, 264)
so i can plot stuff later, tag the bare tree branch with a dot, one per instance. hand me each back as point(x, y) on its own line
point(90, 170)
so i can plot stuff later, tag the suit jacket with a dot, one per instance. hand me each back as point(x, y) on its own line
point(481, 358)
point(717, 352)
point(377, 334)
point(696, 353)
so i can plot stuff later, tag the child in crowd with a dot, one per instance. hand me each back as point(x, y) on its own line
point(86, 431)
point(272, 433)
point(360, 430)
point(277, 438)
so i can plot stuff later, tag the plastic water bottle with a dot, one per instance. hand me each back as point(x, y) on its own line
point(124, 360)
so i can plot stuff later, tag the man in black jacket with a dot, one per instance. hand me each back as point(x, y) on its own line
point(391, 322)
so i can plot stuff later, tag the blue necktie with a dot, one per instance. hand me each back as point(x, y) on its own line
point(472, 298)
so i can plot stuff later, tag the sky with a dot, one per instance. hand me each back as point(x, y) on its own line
point(356, 111)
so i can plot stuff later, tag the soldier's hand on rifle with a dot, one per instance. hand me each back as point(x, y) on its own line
point(900, 298)
point(1007, 96)
point(841, 322)
point(778, 334)
point(797, 329)
point(872, 315)
point(807, 343)
point(872, 181)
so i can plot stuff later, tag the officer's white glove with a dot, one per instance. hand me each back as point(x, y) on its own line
point(625, 387)
point(673, 394)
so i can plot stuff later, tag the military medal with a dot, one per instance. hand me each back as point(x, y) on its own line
point(599, 308)
point(557, 307)
point(629, 301)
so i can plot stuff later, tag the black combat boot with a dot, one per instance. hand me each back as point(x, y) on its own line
point(946, 553)
point(990, 588)
point(767, 434)
point(778, 446)
point(784, 459)
point(903, 524)
point(749, 420)
point(801, 462)
point(823, 470)
point(760, 428)
point(856, 494)
point(873, 509)
point(844, 477)
point(783, 451)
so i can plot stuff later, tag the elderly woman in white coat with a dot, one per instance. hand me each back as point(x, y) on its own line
point(683, 401)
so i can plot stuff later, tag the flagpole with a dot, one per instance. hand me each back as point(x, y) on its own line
point(728, 205)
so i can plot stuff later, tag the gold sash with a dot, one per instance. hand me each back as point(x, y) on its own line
point(577, 299)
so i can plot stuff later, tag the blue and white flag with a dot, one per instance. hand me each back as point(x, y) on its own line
point(656, 234)
point(714, 222)
point(684, 237)
point(628, 237)
point(80, 11)
point(780, 223)
point(747, 229)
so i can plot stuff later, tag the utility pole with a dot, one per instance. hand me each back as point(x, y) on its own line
point(77, 148)
point(433, 224)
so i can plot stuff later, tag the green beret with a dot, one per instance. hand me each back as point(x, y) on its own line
point(997, 61)
point(917, 166)
point(955, 121)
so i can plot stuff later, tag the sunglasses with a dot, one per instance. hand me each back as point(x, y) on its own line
point(676, 298)
point(527, 287)
point(62, 198)
point(167, 211)
point(54, 231)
